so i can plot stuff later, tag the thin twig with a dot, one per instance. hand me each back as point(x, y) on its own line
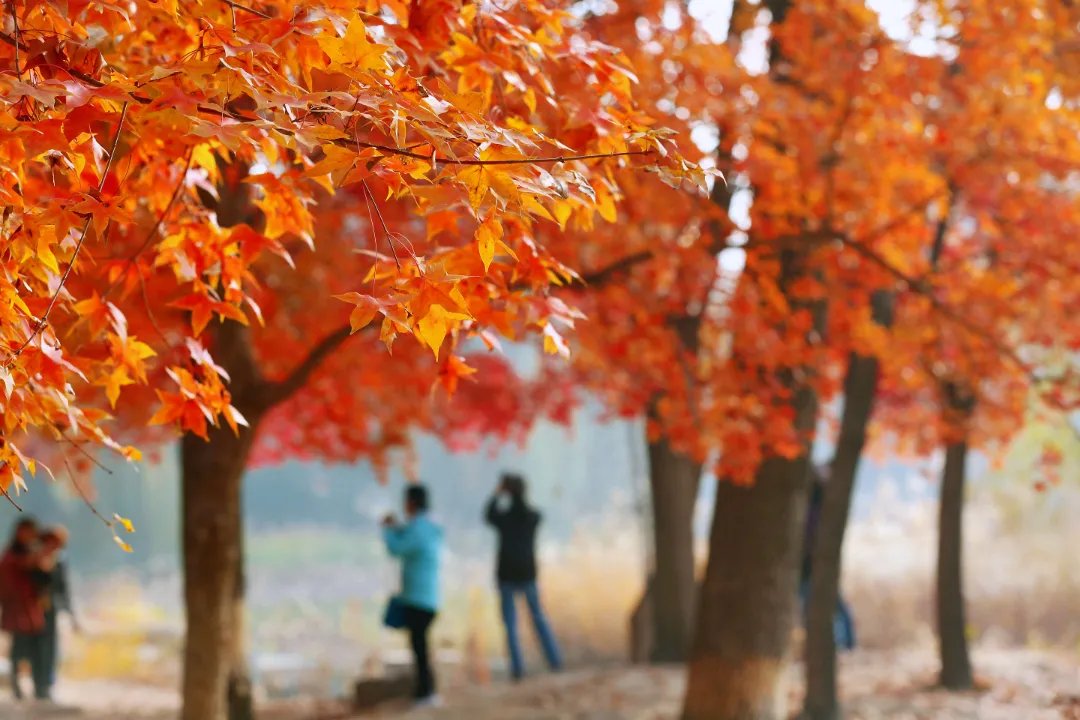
point(85, 498)
point(40, 325)
point(522, 161)
point(18, 64)
point(11, 499)
point(239, 6)
point(149, 309)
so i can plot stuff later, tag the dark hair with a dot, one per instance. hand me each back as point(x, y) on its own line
point(24, 523)
point(417, 497)
point(515, 485)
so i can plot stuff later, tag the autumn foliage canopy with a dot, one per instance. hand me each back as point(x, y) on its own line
point(306, 170)
point(931, 160)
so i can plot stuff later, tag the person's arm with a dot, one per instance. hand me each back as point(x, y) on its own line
point(63, 590)
point(401, 540)
point(493, 517)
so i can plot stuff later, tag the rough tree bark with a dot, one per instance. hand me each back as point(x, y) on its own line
point(956, 673)
point(958, 404)
point(241, 703)
point(748, 603)
point(674, 480)
point(215, 682)
point(860, 387)
point(212, 473)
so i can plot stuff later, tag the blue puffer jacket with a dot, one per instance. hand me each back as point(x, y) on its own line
point(419, 545)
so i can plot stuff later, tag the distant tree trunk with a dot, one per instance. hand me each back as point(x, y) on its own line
point(212, 473)
point(674, 479)
point(956, 671)
point(860, 388)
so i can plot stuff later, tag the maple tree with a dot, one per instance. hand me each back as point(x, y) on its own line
point(882, 179)
point(196, 197)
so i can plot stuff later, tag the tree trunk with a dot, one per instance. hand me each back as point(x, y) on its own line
point(951, 618)
point(860, 387)
point(212, 473)
point(749, 599)
point(748, 602)
point(674, 479)
point(241, 705)
point(820, 652)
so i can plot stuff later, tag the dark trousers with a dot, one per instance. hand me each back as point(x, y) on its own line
point(51, 647)
point(417, 622)
point(34, 650)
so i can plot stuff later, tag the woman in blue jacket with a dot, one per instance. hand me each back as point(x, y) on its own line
point(418, 544)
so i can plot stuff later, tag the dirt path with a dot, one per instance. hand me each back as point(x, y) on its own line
point(1019, 685)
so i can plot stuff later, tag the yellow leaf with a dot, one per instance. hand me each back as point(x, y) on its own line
point(46, 237)
point(563, 211)
point(503, 185)
point(141, 350)
point(475, 180)
point(123, 545)
point(124, 522)
point(554, 342)
point(530, 203)
point(116, 380)
point(354, 49)
point(433, 327)
point(487, 235)
point(605, 204)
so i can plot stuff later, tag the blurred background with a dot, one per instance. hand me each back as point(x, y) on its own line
point(319, 576)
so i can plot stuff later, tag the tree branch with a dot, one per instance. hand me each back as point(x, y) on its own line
point(248, 9)
point(946, 311)
point(280, 391)
point(602, 275)
point(223, 112)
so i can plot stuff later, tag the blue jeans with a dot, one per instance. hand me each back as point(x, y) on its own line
point(843, 623)
point(508, 593)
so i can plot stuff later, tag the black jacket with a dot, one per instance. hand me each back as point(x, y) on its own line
point(516, 526)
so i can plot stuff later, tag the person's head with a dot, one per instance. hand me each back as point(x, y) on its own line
point(514, 485)
point(416, 500)
point(54, 538)
point(26, 531)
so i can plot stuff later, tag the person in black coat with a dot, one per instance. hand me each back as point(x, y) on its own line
point(516, 524)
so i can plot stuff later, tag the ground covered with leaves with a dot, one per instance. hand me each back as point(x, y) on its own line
point(1016, 685)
